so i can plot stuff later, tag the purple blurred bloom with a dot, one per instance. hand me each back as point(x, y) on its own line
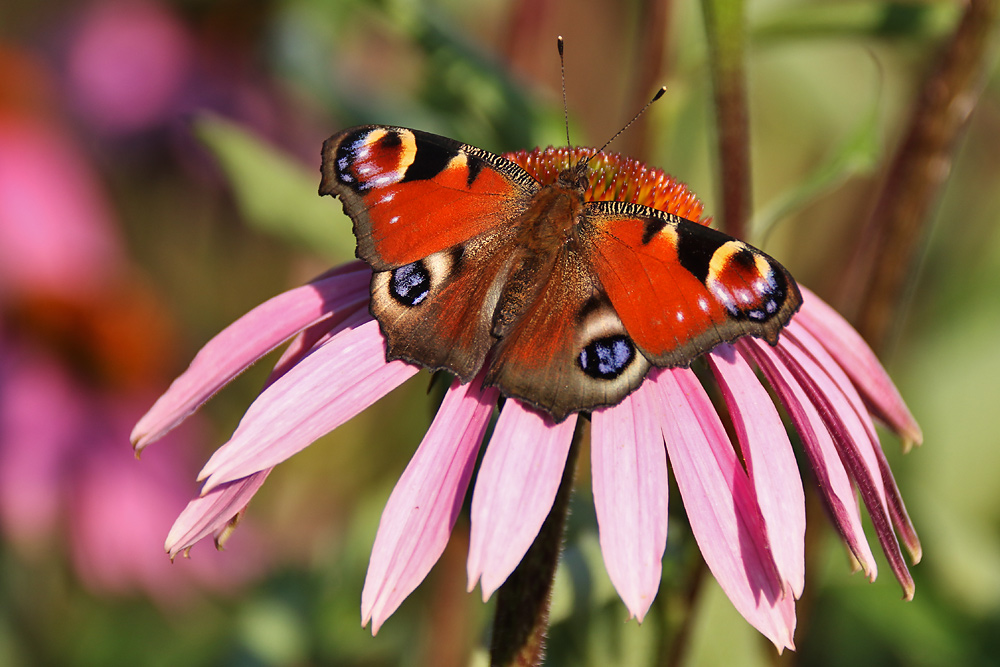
point(69, 382)
point(63, 473)
point(128, 62)
point(744, 500)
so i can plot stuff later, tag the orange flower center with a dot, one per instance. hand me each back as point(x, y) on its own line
point(614, 177)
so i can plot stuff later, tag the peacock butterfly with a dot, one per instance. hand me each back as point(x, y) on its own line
point(567, 303)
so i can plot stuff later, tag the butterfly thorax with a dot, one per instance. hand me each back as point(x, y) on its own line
point(546, 227)
point(550, 218)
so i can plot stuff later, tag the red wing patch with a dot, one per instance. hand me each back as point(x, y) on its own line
point(681, 288)
point(568, 351)
point(412, 194)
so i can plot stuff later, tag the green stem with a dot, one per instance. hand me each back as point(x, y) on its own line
point(726, 32)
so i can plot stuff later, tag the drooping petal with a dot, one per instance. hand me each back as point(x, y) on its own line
point(422, 509)
point(248, 339)
point(517, 483)
point(900, 517)
point(329, 386)
point(770, 462)
point(851, 351)
point(629, 468)
point(832, 479)
point(719, 502)
point(854, 444)
point(212, 512)
point(874, 457)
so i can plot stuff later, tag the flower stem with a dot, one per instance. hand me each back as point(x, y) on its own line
point(726, 32)
point(652, 33)
point(522, 614)
point(681, 641)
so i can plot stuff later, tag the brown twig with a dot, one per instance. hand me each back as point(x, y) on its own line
point(887, 257)
point(651, 44)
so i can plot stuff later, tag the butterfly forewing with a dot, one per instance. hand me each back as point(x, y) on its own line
point(411, 193)
point(681, 288)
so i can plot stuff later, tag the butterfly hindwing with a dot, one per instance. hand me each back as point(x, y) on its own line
point(568, 351)
point(437, 311)
point(681, 288)
point(412, 193)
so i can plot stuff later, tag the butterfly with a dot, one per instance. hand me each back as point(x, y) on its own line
point(566, 303)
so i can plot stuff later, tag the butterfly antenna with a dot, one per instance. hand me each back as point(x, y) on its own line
point(607, 143)
point(562, 75)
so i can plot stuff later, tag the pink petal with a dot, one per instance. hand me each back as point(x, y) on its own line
point(851, 351)
point(212, 513)
point(799, 338)
point(853, 434)
point(770, 462)
point(831, 475)
point(422, 509)
point(629, 467)
point(720, 506)
point(873, 455)
point(517, 483)
point(900, 517)
point(332, 384)
point(245, 341)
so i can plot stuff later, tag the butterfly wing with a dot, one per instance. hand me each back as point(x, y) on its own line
point(412, 194)
point(568, 351)
point(434, 219)
point(437, 311)
point(681, 288)
point(638, 288)
point(442, 225)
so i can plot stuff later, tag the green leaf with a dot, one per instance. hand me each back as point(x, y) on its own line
point(275, 193)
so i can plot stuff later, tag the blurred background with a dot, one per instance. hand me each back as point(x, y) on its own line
point(158, 172)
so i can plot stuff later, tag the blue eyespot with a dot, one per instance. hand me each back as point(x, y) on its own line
point(607, 358)
point(410, 284)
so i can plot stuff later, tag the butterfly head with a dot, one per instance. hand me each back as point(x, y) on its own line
point(577, 177)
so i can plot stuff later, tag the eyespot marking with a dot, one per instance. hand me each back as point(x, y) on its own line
point(745, 282)
point(410, 284)
point(375, 157)
point(608, 357)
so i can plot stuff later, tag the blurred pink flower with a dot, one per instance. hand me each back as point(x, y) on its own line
point(128, 62)
point(745, 502)
point(137, 66)
point(66, 481)
point(72, 366)
point(57, 233)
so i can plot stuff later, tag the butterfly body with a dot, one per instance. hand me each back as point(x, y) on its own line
point(567, 303)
